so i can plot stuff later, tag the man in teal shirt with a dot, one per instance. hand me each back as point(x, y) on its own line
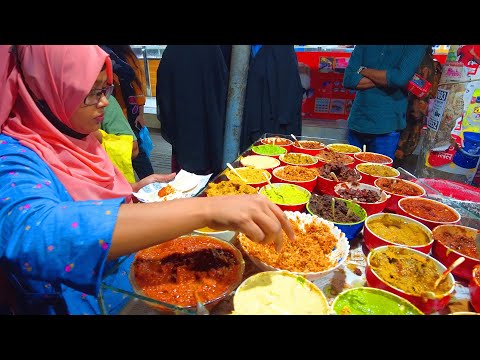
point(380, 74)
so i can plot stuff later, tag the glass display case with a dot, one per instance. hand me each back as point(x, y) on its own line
point(352, 274)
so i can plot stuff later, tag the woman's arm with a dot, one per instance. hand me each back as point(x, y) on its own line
point(139, 226)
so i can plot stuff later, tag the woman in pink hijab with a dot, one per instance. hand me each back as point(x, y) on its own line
point(66, 214)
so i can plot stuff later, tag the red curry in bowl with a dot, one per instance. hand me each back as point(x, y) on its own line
point(429, 212)
point(173, 271)
point(452, 242)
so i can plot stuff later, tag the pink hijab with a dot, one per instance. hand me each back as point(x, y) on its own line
point(62, 75)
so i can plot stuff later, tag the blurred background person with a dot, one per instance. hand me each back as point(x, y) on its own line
point(129, 81)
point(417, 110)
point(118, 139)
point(192, 85)
point(380, 74)
point(274, 94)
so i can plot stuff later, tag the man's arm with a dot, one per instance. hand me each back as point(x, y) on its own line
point(352, 79)
point(377, 77)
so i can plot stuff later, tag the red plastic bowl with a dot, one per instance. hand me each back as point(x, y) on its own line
point(327, 186)
point(285, 143)
point(392, 202)
point(349, 160)
point(373, 240)
point(474, 288)
point(309, 184)
point(253, 161)
point(430, 223)
point(298, 149)
point(427, 304)
point(312, 165)
point(290, 207)
point(360, 158)
point(447, 255)
point(257, 185)
point(370, 208)
point(352, 149)
point(370, 179)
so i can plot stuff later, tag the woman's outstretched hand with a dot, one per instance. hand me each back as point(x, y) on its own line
point(151, 179)
point(254, 215)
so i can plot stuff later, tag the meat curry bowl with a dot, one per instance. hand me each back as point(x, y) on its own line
point(289, 197)
point(372, 157)
point(452, 242)
point(178, 272)
point(332, 174)
point(298, 175)
point(328, 156)
point(279, 141)
point(310, 147)
point(369, 197)
point(429, 212)
point(410, 274)
point(398, 189)
point(393, 229)
point(318, 250)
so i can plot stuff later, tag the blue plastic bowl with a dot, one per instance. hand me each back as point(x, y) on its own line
point(471, 142)
point(351, 230)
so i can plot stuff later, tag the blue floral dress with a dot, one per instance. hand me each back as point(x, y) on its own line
point(55, 249)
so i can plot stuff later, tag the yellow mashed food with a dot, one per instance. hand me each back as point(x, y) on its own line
point(279, 293)
point(344, 148)
point(377, 170)
point(229, 188)
point(251, 175)
point(398, 231)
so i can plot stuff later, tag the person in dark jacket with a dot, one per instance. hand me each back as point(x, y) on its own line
point(192, 85)
point(273, 98)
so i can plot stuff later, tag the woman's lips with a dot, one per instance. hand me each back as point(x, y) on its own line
point(99, 118)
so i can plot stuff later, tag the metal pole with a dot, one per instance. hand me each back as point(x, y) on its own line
point(235, 101)
point(147, 71)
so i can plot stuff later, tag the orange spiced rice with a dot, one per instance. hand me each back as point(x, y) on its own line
point(307, 253)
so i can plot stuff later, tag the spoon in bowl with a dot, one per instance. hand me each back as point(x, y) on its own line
point(236, 172)
point(294, 138)
point(272, 187)
point(448, 271)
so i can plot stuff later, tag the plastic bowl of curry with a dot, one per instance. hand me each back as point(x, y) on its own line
point(293, 158)
point(393, 229)
point(252, 176)
point(410, 274)
point(452, 242)
point(429, 212)
point(398, 189)
point(298, 175)
point(173, 275)
point(372, 171)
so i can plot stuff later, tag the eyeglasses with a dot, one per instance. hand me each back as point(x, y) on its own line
point(95, 95)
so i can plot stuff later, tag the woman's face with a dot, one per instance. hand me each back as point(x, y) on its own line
point(87, 118)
